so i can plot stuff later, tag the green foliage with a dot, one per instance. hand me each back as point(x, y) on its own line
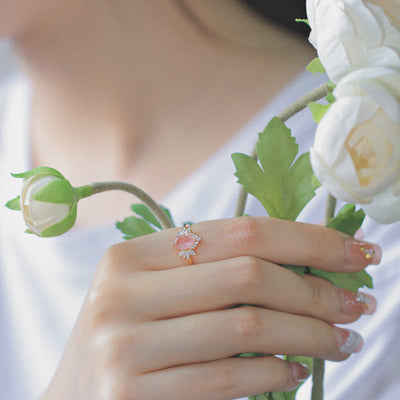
point(134, 226)
point(316, 67)
point(143, 211)
point(283, 186)
point(39, 171)
point(57, 191)
point(63, 226)
point(349, 221)
point(303, 20)
point(318, 110)
point(350, 281)
point(14, 204)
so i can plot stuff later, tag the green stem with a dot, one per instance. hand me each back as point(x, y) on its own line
point(300, 104)
point(159, 213)
point(330, 208)
point(318, 379)
point(319, 365)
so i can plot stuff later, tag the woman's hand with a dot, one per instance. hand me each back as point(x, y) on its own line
point(153, 327)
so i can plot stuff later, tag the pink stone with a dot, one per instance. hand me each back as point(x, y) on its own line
point(184, 242)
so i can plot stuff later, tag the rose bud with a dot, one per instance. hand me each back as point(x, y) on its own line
point(48, 202)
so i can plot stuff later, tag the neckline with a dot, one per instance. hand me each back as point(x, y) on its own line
point(22, 95)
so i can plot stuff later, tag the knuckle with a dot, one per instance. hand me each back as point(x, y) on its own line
point(113, 259)
point(246, 272)
point(246, 322)
point(100, 307)
point(111, 346)
point(242, 232)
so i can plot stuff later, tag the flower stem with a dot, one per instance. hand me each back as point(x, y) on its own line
point(299, 105)
point(318, 379)
point(319, 365)
point(330, 208)
point(159, 213)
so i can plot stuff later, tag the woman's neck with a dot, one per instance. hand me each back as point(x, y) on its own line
point(127, 92)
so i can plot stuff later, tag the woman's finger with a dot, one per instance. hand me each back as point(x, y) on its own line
point(154, 295)
point(220, 380)
point(221, 334)
point(278, 241)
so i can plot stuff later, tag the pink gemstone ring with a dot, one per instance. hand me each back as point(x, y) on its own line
point(186, 241)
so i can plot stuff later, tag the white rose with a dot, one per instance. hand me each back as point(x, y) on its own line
point(40, 215)
point(356, 152)
point(352, 34)
point(48, 201)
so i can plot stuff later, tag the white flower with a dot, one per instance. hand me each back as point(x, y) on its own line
point(39, 215)
point(48, 202)
point(356, 152)
point(352, 34)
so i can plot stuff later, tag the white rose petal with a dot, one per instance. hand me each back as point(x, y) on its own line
point(352, 34)
point(40, 215)
point(385, 208)
point(356, 152)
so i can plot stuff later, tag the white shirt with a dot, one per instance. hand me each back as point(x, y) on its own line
point(43, 282)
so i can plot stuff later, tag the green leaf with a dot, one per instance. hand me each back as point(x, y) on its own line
point(300, 186)
point(57, 191)
point(144, 211)
point(262, 396)
point(351, 280)
point(318, 110)
point(283, 186)
point(14, 204)
point(28, 231)
point(253, 179)
point(134, 227)
point(39, 171)
point(316, 67)
point(63, 226)
point(348, 221)
point(303, 20)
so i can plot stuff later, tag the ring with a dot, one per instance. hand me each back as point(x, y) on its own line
point(186, 241)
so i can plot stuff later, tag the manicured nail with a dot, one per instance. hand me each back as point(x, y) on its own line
point(300, 372)
point(349, 341)
point(353, 303)
point(362, 253)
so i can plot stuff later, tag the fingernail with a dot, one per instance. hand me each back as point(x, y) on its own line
point(300, 372)
point(368, 301)
point(349, 341)
point(360, 252)
point(354, 303)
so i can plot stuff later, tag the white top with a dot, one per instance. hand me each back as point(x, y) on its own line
point(43, 282)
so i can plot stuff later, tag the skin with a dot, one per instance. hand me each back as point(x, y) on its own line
point(151, 326)
point(148, 327)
